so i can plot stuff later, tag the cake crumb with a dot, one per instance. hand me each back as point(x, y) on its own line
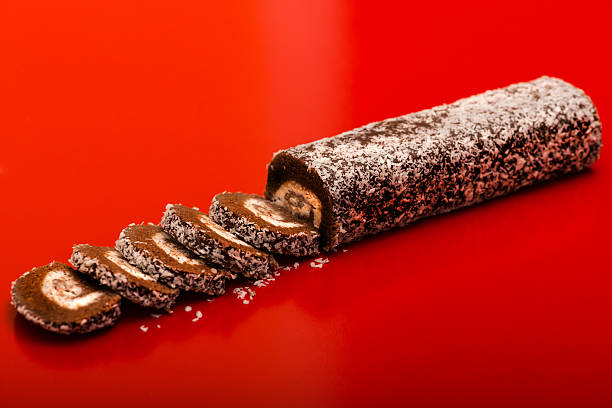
point(316, 265)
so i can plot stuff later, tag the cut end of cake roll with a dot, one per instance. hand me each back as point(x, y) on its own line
point(59, 299)
point(293, 185)
point(264, 224)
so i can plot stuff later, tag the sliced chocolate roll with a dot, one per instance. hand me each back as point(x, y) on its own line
point(107, 266)
point(264, 224)
point(59, 299)
point(198, 232)
point(390, 173)
point(159, 255)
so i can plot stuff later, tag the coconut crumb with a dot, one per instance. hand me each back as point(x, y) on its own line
point(144, 328)
point(316, 265)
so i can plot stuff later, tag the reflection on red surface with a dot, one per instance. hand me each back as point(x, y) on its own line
point(307, 69)
point(110, 111)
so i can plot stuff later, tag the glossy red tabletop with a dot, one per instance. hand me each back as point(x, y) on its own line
point(111, 109)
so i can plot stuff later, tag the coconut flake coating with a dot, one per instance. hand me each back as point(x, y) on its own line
point(139, 244)
point(30, 299)
point(92, 260)
point(291, 236)
point(387, 174)
point(192, 228)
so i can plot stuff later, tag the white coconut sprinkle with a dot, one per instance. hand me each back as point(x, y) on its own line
point(158, 326)
point(316, 265)
point(245, 302)
point(155, 315)
point(199, 314)
point(144, 328)
point(188, 308)
point(243, 293)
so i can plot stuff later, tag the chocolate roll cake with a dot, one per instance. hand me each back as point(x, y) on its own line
point(149, 248)
point(264, 224)
point(61, 300)
point(387, 174)
point(198, 232)
point(108, 267)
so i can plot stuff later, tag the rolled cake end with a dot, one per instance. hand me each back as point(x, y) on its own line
point(387, 174)
point(291, 185)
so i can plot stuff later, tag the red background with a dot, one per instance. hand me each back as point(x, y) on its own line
point(109, 110)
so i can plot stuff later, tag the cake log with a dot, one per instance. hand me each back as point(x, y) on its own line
point(390, 173)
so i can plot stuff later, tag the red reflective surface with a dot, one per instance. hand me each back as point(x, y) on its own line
point(110, 110)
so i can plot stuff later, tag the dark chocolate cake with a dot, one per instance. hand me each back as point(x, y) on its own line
point(390, 173)
point(157, 254)
point(199, 233)
point(264, 224)
point(61, 300)
point(108, 267)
